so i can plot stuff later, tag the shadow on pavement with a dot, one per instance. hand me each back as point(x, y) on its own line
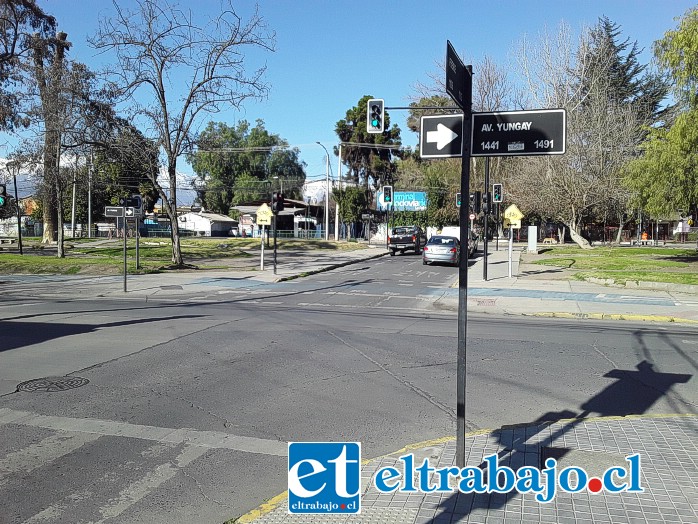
point(634, 392)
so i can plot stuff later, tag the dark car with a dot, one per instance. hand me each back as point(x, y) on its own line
point(441, 249)
point(406, 238)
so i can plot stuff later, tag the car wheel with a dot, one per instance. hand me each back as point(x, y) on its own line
point(424, 262)
point(392, 252)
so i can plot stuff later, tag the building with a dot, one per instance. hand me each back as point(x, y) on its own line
point(206, 224)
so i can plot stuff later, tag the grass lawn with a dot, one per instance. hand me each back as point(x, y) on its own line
point(93, 256)
point(622, 264)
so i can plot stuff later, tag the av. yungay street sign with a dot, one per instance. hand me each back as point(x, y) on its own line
point(519, 133)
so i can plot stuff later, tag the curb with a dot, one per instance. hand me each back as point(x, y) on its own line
point(327, 268)
point(614, 316)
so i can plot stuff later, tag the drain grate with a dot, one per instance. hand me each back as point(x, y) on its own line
point(52, 384)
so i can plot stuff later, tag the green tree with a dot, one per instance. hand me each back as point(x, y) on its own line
point(677, 53)
point(664, 178)
point(352, 201)
point(19, 19)
point(241, 163)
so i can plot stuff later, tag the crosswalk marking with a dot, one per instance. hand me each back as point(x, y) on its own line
point(194, 437)
point(152, 480)
point(37, 454)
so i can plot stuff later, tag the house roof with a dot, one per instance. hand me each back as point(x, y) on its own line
point(212, 217)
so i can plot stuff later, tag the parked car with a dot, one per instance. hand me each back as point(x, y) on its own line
point(405, 238)
point(441, 248)
point(454, 231)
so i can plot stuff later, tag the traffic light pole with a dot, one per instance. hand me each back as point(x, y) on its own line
point(275, 243)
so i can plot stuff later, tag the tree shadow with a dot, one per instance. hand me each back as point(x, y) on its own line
point(632, 392)
point(17, 334)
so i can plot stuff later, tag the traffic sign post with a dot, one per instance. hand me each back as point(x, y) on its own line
point(264, 214)
point(513, 215)
point(519, 133)
point(444, 141)
point(441, 136)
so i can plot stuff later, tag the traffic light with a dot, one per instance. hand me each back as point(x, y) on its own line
point(497, 194)
point(388, 194)
point(457, 199)
point(277, 202)
point(475, 202)
point(375, 115)
point(486, 202)
point(3, 195)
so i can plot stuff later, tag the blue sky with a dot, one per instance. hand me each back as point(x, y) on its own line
point(331, 53)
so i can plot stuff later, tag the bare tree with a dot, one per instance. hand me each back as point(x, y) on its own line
point(601, 133)
point(172, 70)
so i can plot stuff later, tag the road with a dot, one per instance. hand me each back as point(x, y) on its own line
point(180, 411)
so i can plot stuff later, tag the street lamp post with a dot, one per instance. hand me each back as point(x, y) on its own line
point(327, 194)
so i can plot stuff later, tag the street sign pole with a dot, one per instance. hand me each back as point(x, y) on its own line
point(261, 258)
point(511, 247)
point(125, 269)
point(138, 256)
point(459, 86)
point(487, 215)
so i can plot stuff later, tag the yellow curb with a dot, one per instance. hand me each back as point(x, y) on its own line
point(615, 316)
point(262, 510)
point(274, 502)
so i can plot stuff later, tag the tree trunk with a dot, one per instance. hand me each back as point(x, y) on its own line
point(59, 223)
point(579, 239)
point(172, 212)
point(50, 218)
point(621, 225)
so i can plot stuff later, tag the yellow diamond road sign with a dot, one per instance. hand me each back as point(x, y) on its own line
point(264, 214)
point(513, 213)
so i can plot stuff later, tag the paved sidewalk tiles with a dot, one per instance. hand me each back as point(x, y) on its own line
point(669, 474)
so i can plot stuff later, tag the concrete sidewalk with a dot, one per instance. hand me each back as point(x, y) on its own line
point(531, 293)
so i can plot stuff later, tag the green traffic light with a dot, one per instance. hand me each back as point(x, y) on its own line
point(375, 122)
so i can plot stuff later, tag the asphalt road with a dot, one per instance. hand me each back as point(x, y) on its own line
point(185, 408)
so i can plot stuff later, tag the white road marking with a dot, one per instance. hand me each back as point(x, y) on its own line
point(151, 481)
point(194, 437)
point(37, 454)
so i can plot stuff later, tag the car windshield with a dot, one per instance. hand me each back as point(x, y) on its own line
point(443, 241)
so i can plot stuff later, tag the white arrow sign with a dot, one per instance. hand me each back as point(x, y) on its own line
point(442, 136)
point(130, 211)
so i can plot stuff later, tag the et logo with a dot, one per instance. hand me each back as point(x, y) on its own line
point(324, 477)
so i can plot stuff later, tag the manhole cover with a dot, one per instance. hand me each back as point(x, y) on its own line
point(52, 384)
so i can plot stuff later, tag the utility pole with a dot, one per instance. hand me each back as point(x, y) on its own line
point(327, 192)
